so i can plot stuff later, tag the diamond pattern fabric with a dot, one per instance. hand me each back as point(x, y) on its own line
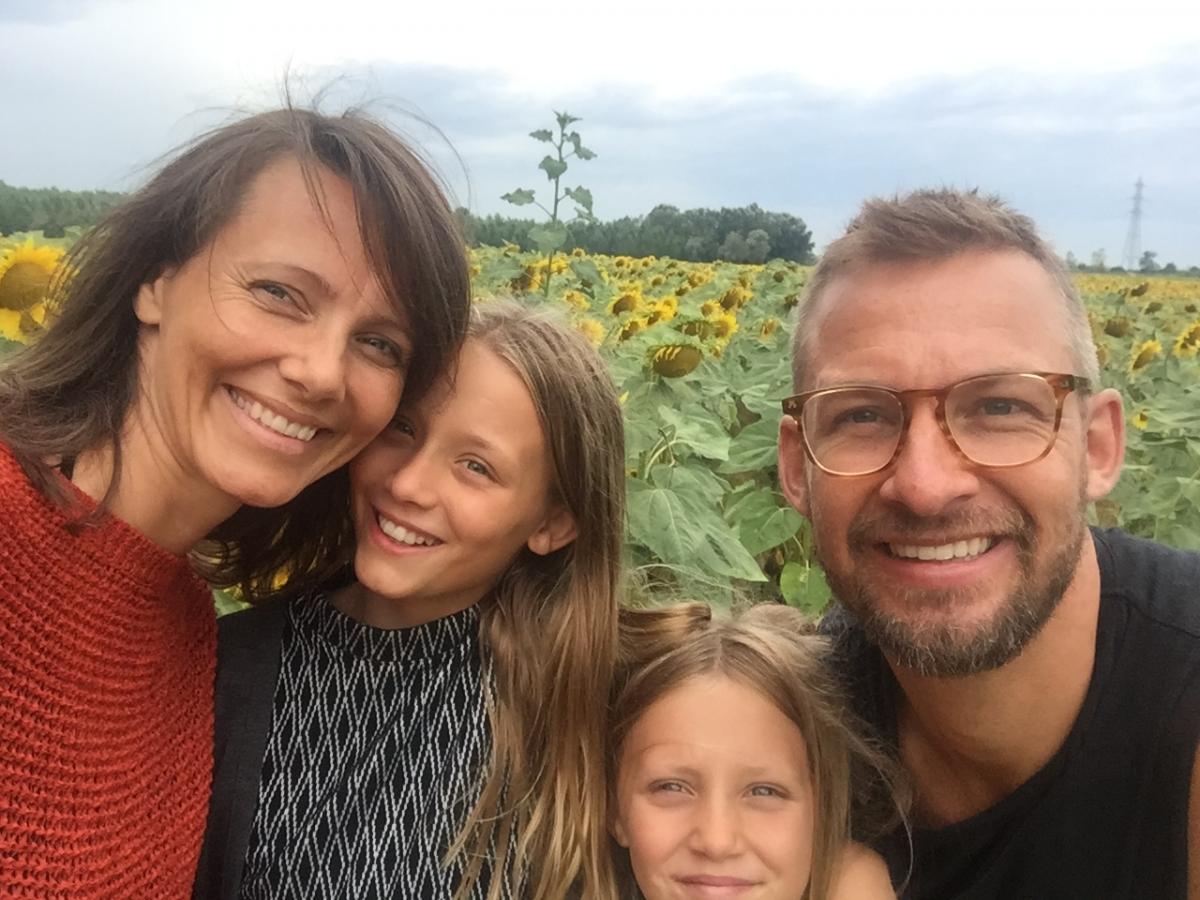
point(373, 761)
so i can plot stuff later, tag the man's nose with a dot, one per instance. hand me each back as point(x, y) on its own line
point(929, 475)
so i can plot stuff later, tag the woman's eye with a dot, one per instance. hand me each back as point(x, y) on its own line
point(384, 349)
point(276, 291)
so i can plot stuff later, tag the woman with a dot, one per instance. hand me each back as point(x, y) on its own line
point(229, 337)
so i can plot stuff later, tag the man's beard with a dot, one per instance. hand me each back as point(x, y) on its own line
point(946, 650)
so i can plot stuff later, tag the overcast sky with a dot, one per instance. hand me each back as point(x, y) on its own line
point(1057, 106)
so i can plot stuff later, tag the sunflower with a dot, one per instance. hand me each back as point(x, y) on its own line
point(701, 328)
point(725, 325)
point(634, 326)
point(1118, 326)
point(1143, 355)
point(25, 273)
point(1188, 342)
point(577, 300)
point(768, 327)
point(675, 361)
point(736, 297)
point(592, 330)
point(1102, 354)
point(10, 326)
point(667, 308)
point(710, 309)
point(1140, 420)
point(628, 300)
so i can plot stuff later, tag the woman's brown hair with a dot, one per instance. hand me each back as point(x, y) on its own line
point(774, 650)
point(549, 632)
point(72, 391)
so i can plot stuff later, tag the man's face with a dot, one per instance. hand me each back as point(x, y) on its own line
point(1014, 535)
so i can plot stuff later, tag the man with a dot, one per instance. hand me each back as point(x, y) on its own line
point(1040, 682)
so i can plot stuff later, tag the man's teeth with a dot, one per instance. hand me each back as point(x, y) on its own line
point(957, 550)
point(403, 535)
point(274, 421)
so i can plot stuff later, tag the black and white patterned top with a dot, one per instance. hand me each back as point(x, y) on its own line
point(373, 761)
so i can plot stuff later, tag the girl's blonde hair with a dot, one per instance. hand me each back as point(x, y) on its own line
point(773, 649)
point(549, 632)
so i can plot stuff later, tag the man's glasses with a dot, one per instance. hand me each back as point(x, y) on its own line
point(992, 420)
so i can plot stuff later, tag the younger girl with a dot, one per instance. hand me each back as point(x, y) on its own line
point(433, 729)
point(733, 766)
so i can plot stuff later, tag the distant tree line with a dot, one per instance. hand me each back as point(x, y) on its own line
point(1148, 264)
point(50, 210)
point(745, 234)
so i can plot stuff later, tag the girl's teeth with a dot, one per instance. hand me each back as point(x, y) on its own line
point(957, 550)
point(402, 535)
point(274, 421)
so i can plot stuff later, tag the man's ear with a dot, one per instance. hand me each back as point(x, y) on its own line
point(148, 304)
point(1105, 437)
point(557, 530)
point(793, 465)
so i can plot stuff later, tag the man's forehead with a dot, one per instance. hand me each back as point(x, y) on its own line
point(970, 314)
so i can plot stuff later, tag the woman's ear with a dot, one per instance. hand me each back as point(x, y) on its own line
point(557, 530)
point(148, 304)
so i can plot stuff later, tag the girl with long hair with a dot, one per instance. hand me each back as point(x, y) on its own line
point(227, 339)
point(434, 727)
point(734, 764)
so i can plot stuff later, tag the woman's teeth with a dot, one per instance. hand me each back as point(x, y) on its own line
point(272, 420)
point(402, 535)
point(956, 550)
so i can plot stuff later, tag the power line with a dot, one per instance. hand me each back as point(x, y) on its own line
point(1133, 240)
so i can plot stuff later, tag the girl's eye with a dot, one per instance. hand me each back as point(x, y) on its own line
point(667, 787)
point(384, 350)
point(403, 426)
point(765, 790)
point(478, 468)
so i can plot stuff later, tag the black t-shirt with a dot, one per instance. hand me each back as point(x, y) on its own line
point(1108, 816)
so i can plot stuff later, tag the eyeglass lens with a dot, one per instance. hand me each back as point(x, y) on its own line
point(1001, 420)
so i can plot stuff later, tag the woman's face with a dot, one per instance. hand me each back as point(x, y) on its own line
point(273, 355)
point(450, 493)
point(714, 797)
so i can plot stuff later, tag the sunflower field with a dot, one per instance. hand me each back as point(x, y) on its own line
point(699, 352)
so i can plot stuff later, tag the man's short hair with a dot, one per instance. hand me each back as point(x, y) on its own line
point(932, 225)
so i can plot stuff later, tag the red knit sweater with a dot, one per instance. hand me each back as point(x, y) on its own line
point(107, 659)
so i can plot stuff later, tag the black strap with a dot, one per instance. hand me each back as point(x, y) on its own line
point(249, 647)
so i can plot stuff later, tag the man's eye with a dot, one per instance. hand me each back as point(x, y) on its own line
point(1000, 406)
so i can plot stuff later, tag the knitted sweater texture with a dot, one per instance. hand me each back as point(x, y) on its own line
point(107, 659)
